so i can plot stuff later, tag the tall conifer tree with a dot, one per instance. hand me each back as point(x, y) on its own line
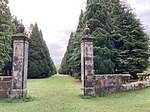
point(40, 62)
point(120, 45)
point(7, 28)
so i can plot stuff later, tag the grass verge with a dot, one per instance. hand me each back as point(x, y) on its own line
point(63, 94)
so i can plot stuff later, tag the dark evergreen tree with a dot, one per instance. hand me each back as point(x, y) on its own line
point(16, 23)
point(7, 28)
point(40, 62)
point(65, 67)
point(71, 61)
point(120, 45)
point(49, 59)
point(131, 42)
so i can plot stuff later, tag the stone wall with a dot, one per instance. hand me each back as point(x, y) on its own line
point(112, 83)
point(136, 85)
point(5, 86)
point(107, 84)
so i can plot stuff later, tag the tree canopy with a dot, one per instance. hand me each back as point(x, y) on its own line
point(120, 43)
point(7, 28)
point(40, 63)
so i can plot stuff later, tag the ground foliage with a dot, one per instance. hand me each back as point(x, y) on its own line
point(63, 94)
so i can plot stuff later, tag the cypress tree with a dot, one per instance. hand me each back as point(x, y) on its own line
point(120, 44)
point(65, 67)
point(132, 44)
point(71, 61)
point(40, 62)
point(7, 28)
point(48, 58)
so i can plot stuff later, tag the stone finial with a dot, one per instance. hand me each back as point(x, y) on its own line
point(21, 28)
point(86, 30)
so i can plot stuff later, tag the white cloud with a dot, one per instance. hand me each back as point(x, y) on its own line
point(139, 5)
point(50, 15)
point(141, 8)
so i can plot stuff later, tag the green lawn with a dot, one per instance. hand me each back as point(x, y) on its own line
point(62, 94)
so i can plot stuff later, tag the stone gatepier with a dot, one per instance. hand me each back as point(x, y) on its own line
point(20, 64)
point(87, 68)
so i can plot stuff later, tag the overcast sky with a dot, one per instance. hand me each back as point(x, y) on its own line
point(57, 18)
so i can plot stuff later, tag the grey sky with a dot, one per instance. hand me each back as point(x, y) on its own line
point(58, 18)
point(142, 10)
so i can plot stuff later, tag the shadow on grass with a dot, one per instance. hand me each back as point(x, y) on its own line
point(18, 100)
point(87, 96)
point(117, 95)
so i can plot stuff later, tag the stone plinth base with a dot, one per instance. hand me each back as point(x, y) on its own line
point(6, 90)
point(18, 93)
point(89, 86)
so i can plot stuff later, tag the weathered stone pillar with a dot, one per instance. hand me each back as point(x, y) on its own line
point(20, 64)
point(87, 68)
